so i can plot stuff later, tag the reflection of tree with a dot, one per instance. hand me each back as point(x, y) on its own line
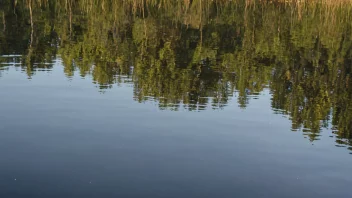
point(196, 54)
point(29, 35)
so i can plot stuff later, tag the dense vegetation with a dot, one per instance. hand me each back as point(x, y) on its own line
point(195, 54)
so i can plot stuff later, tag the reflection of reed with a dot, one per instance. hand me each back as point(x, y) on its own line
point(193, 12)
point(188, 3)
point(30, 50)
point(31, 20)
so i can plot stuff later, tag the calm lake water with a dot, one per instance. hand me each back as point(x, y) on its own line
point(175, 99)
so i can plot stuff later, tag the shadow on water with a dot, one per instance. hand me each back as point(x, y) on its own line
point(196, 55)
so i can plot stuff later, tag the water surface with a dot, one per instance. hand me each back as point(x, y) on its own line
point(198, 99)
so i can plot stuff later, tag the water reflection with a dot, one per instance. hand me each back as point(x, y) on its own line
point(196, 55)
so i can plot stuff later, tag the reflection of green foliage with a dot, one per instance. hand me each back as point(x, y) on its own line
point(196, 54)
